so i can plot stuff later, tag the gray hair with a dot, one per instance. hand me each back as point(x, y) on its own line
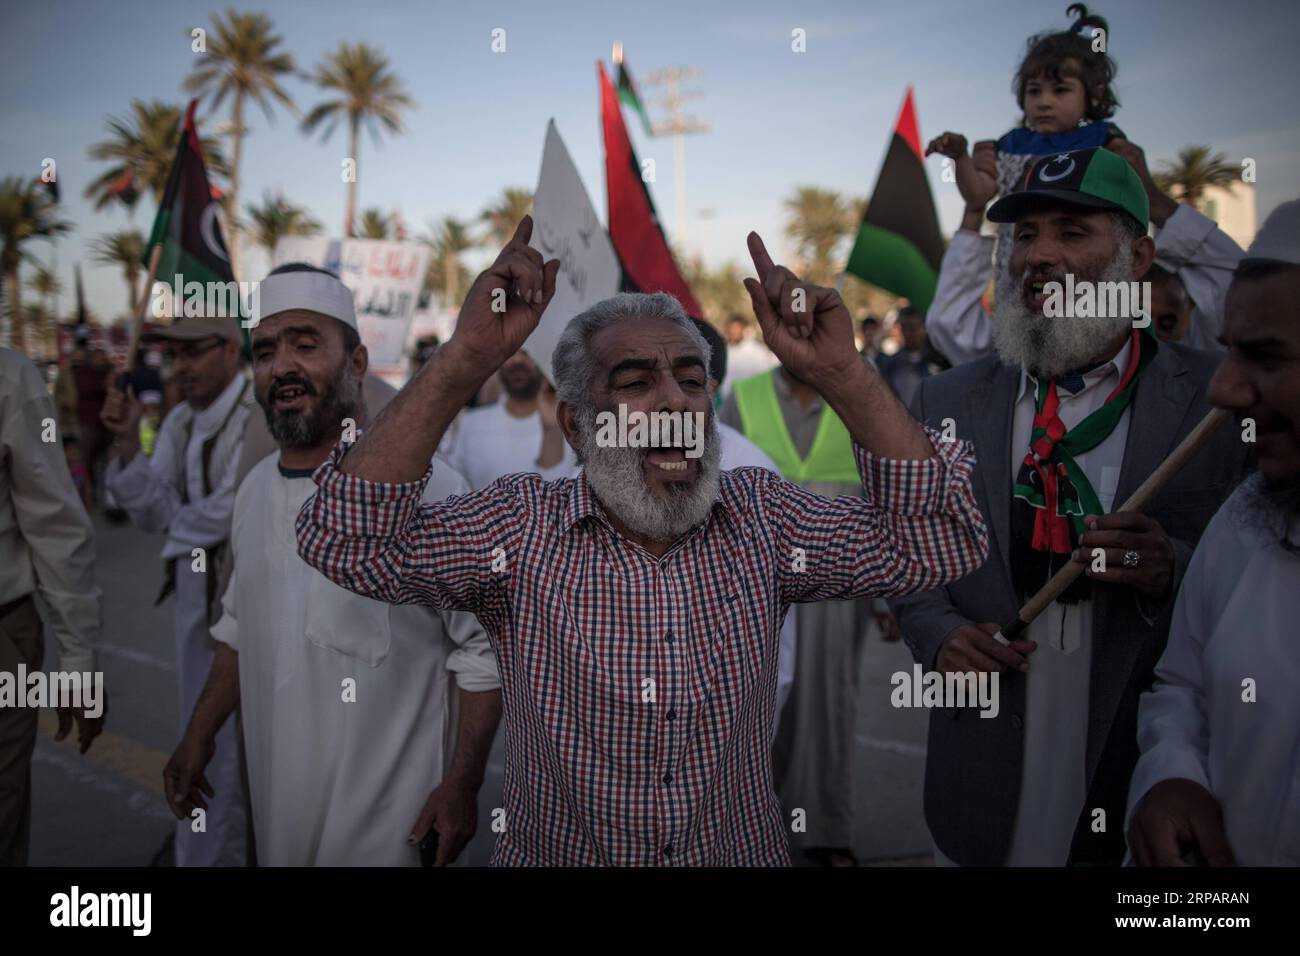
point(571, 361)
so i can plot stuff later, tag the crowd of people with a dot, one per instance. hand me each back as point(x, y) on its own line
point(366, 583)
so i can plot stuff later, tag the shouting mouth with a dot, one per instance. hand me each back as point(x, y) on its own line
point(670, 463)
point(1034, 294)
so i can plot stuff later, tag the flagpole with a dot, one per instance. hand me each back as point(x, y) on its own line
point(137, 323)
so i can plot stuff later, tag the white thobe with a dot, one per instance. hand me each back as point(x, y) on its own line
point(347, 703)
point(1052, 784)
point(1234, 621)
point(489, 443)
point(149, 488)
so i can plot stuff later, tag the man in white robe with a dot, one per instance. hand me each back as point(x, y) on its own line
point(186, 490)
point(356, 742)
point(1219, 777)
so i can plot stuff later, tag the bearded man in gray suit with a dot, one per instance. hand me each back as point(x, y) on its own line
point(1078, 407)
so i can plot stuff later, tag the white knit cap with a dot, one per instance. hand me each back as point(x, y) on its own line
point(1278, 240)
point(311, 291)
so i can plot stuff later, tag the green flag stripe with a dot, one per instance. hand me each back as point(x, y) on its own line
point(888, 260)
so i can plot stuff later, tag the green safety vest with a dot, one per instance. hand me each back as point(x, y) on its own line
point(831, 457)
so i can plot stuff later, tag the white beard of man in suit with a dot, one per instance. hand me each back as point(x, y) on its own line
point(1047, 346)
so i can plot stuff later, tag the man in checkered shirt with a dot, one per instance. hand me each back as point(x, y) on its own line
point(635, 609)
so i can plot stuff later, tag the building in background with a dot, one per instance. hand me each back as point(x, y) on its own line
point(1233, 208)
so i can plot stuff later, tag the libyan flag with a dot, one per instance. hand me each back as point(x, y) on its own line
point(628, 94)
point(187, 227)
point(898, 246)
point(634, 229)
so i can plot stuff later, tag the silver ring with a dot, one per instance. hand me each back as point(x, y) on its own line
point(1131, 559)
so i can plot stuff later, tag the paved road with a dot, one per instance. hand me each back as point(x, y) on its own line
point(106, 809)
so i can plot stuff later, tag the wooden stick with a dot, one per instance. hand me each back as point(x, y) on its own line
point(137, 322)
point(1063, 578)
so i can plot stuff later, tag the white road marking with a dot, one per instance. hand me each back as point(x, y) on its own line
point(85, 773)
point(138, 657)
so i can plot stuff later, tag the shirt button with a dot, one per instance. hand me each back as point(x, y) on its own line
point(671, 715)
point(668, 850)
point(1015, 721)
point(668, 778)
point(668, 637)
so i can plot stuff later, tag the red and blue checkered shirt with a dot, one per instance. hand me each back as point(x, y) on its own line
point(639, 692)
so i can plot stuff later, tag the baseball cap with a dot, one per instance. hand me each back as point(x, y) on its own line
point(193, 328)
point(1095, 178)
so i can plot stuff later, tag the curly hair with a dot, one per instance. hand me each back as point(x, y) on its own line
point(1065, 53)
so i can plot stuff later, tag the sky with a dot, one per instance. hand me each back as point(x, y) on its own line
point(1190, 72)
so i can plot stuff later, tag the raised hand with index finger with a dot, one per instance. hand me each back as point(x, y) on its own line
point(505, 303)
point(806, 326)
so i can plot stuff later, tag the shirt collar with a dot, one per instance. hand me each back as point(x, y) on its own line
point(1117, 364)
point(216, 413)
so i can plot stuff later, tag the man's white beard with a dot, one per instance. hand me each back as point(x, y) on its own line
point(1050, 347)
point(618, 478)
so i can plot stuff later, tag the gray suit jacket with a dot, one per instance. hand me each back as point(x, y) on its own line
point(973, 768)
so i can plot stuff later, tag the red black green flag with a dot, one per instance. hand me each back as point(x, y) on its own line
point(628, 94)
point(898, 246)
point(633, 223)
point(187, 225)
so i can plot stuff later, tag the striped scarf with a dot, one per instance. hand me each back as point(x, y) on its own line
point(1052, 495)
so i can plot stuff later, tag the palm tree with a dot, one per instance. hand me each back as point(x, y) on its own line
point(449, 239)
point(1195, 170)
point(374, 225)
point(720, 292)
point(819, 220)
point(369, 93)
point(278, 217)
point(242, 61)
point(46, 285)
point(26, 213)
point(141, 150)
point(123, 248)
point(502, 216)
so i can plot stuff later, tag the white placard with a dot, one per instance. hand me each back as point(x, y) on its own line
point(565, 227)
point(385, 279)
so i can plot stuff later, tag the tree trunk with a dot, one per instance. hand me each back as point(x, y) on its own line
point(17, 331)
point(132, 285)
point(349, 215)
point(236, 148)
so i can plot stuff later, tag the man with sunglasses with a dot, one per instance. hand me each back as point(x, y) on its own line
point(186, 490)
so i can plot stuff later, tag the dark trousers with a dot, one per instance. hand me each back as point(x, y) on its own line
point(21, 641)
